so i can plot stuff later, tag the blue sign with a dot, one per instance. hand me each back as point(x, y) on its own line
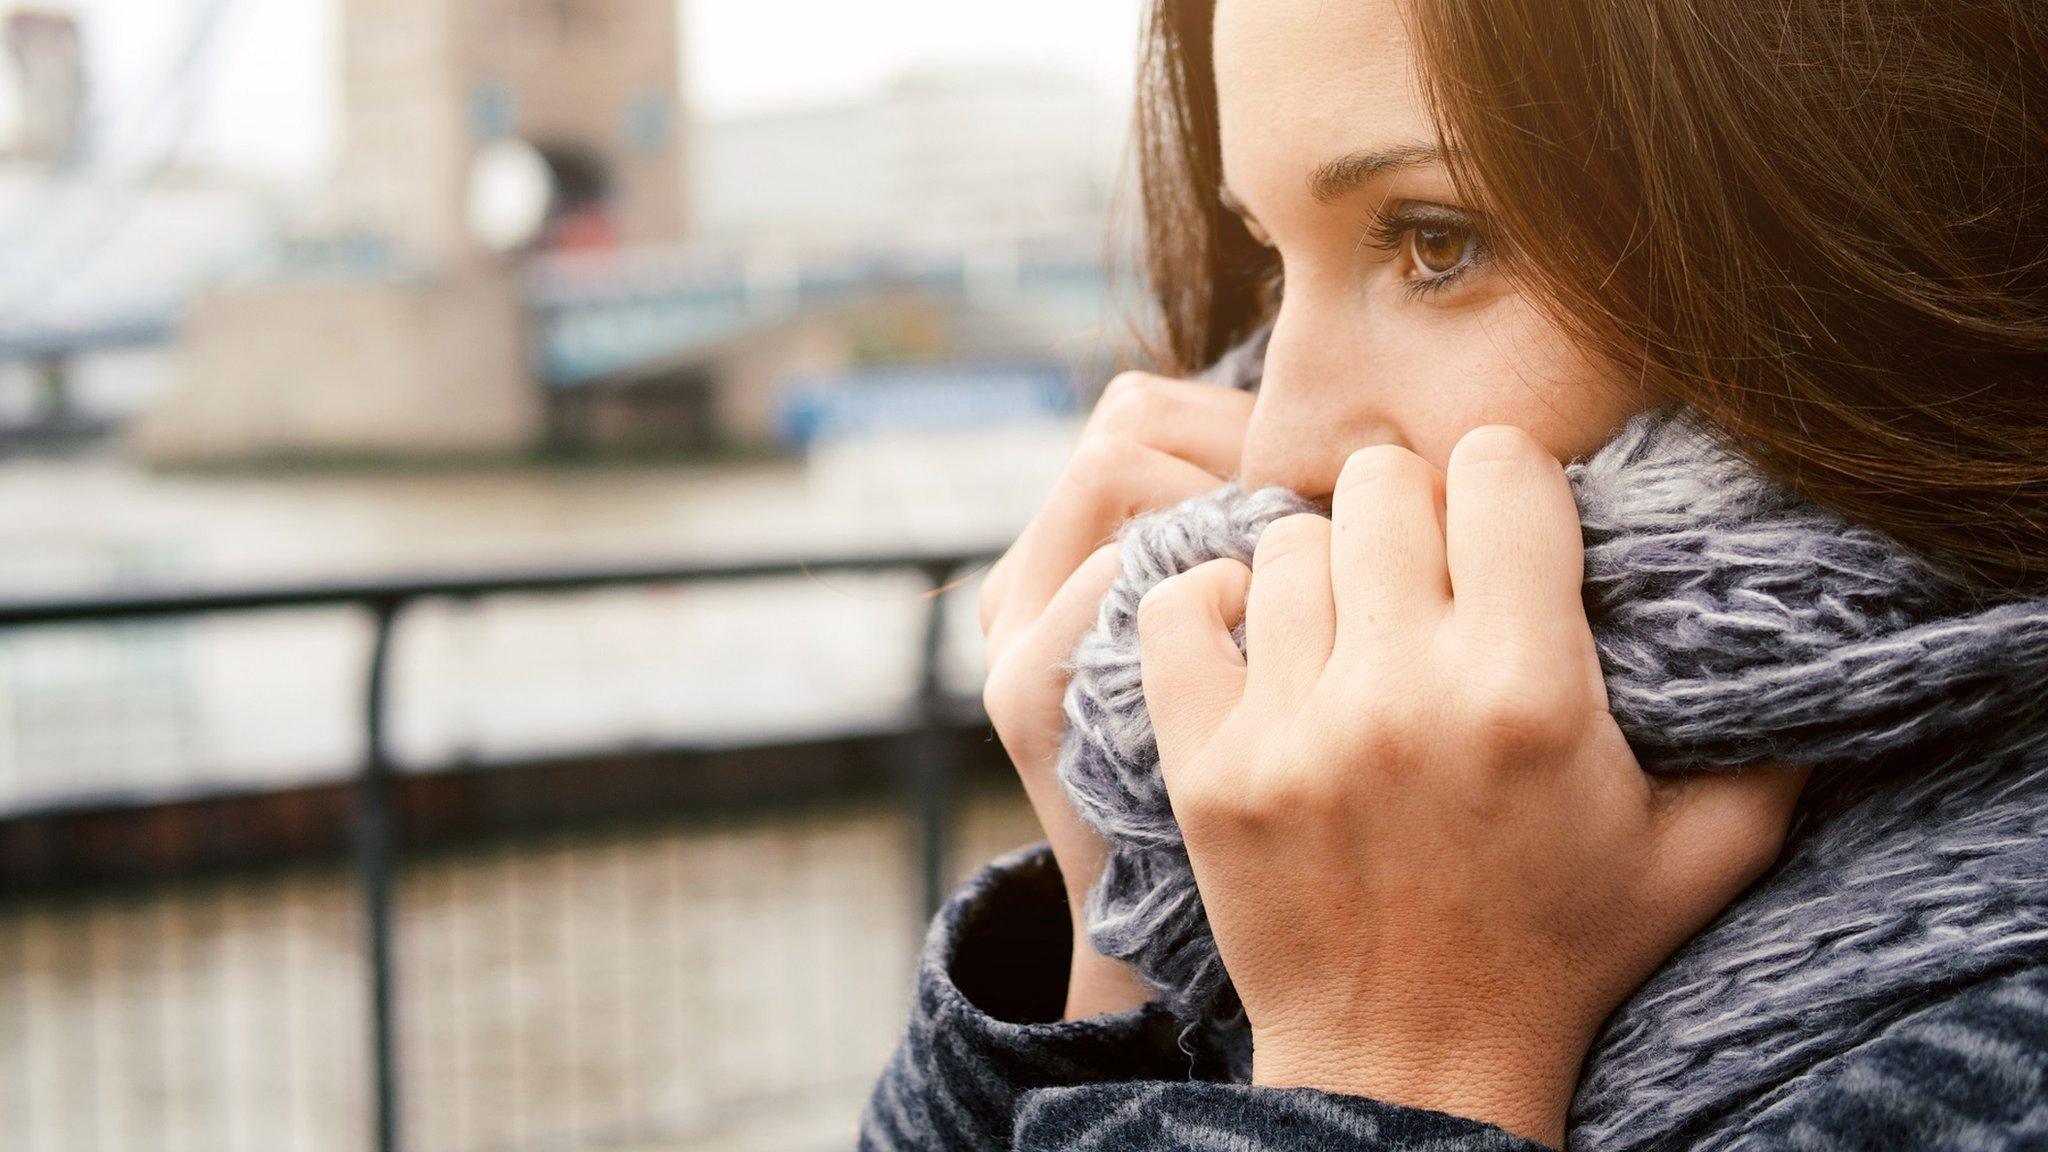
point(920, 398)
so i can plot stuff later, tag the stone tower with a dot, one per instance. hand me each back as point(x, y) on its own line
point(426, 356)
point(592, 84)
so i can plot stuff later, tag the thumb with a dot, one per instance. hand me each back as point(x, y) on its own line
point(1192, 671)
point(1718, 831)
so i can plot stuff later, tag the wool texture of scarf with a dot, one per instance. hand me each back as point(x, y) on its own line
point(1736, 623)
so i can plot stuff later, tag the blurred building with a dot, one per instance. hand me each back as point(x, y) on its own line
point(946, 156)
point(974, 199)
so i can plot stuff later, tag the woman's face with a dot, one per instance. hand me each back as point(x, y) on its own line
point(1394, 326)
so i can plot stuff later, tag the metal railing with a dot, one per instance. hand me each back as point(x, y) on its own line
point(374, 842)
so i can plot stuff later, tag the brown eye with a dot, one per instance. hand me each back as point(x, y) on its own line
point(1440, 248)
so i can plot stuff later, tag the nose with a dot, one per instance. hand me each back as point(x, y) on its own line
point(1310, 414)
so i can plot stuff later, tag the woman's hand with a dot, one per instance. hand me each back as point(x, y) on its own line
point(1432, 864)
point(1149, 443)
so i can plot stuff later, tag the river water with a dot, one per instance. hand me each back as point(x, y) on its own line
point(151, 708)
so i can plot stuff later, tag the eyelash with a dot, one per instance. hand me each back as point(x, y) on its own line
point(1389, 231)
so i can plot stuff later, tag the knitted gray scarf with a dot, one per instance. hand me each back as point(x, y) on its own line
point(1736, 623)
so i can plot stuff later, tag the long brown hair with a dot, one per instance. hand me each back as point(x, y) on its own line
point(1823, 225)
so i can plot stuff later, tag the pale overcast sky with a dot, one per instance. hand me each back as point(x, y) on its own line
point(270, 99)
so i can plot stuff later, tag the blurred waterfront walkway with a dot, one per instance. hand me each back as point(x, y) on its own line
point(732, 988)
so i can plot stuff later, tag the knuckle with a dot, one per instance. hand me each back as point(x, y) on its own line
point(1766, 847)
point(1202, 808)
point(1193, 597)
point(1220, 568)
point(1382, 736)
point(1165, 603)
point(1379, 464)
point(1103, 456)
point(1516, 716)
point(1015, 697)
point(1127, 401)
point(1212, 804)
point(1279, 797)
point(1293, 535)
point(1759, 840)
point(1129, 381)
point(1194, 585)
point(1495, 445)
point(1215, 576)
point(1275, 787)
point(1757, 851)
point(999, 695)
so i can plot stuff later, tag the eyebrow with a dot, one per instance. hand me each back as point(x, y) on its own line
point(1332, 180)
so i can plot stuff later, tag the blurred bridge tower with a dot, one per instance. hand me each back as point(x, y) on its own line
point(591, 85)
point(476, 131)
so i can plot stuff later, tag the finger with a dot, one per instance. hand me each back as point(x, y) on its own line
point(1200, 423)
point(1717, 831)
point(1077, 606)
point(1111, 479)
point(993, 581)
point(1028, 682)
point(1192, 672)
point(1025, 697)
point(1027, 687)
point(1512, 540)
point(1387, 550)
point(1290, 621)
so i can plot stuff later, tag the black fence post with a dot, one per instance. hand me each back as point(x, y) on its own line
point(375, 848)
point(931, 774)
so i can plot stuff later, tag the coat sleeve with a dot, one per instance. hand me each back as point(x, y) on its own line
point(1202, 1117)
point(1967, 1073)
point(985, 1025)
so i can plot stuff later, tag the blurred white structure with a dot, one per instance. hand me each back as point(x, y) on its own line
point(42, 87)
point(961, 155)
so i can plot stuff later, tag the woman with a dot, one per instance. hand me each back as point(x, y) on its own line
point(1453, 245)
